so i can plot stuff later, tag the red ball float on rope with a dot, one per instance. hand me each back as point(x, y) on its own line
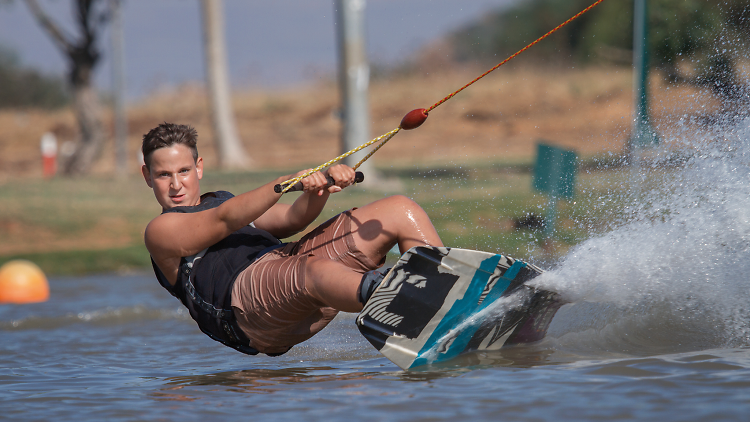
point(413, 119)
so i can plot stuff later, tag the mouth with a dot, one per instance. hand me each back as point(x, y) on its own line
point(177, 198)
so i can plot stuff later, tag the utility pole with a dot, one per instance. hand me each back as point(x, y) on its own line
point(118, 79)
point(354, 79)
point(643, 134)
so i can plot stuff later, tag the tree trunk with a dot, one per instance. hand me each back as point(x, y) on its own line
point(89, 145)
point(229, 149)
point(82, 57)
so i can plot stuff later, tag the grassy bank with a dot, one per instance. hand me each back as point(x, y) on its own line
point(93, 225)
point(79, 262)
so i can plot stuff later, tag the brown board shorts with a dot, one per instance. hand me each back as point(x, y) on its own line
point(270, 300)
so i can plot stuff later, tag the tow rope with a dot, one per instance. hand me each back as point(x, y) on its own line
point(415, 118)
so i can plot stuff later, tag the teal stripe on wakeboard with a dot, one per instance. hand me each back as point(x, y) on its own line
point(502, 284)
point(466, 306)
point(513, 270)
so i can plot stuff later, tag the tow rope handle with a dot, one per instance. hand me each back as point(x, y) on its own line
point(358, 178)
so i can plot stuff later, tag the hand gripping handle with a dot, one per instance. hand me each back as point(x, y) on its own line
point(358, 178)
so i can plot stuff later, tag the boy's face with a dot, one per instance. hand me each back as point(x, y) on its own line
point(174, 176)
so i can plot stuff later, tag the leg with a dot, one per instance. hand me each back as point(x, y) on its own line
point(380, 225)
point(333, 283)
point(273, 306)
point(341, 252)
point(289, 295)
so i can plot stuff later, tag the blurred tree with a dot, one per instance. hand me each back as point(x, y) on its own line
point(82, 54)
point(502, 33)
point(229, 149)
point(25, 88)
point(679, 29)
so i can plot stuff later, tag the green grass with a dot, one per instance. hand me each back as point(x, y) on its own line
point(78, 262)
point(472, 207)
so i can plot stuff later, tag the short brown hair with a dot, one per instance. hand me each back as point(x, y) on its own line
point(165, 135)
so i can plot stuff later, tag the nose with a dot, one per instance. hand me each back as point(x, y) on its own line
point(175, 183)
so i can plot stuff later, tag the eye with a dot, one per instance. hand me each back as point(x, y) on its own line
point(185, 170)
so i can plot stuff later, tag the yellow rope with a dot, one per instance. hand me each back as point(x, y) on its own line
point(382, 139)
point(387, 137)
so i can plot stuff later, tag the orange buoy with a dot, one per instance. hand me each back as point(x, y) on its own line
point(22, 281)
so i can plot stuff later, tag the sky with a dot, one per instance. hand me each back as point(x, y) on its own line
point(269, 43)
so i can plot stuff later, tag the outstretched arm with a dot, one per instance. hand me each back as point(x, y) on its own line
point(171, 236)
point(174, 235)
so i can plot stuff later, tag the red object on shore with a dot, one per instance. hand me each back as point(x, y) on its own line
point(413, 119)
point(49, 155)
point(49, 165)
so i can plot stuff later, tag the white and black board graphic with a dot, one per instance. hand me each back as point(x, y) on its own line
point(437, 303)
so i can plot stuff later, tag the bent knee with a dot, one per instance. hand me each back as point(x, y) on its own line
point(404, 202)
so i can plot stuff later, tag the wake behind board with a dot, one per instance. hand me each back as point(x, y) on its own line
point(438, 303)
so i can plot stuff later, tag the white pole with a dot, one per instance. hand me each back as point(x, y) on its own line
point(354, 79)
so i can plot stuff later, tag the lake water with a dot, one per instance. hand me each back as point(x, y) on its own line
point(119, 348)
point(659, 329)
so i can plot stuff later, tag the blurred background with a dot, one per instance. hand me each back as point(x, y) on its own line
point(94, 76)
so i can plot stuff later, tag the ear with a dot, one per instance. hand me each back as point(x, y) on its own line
point(199, 167)
point(146, 175)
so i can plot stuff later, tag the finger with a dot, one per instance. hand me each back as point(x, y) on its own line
point(300, 173)
point(321, 181)
point(314, 181)
point(342, 175)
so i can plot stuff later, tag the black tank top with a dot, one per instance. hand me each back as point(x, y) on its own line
point(204, 281)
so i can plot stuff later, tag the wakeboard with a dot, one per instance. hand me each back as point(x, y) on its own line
point(437, 303)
